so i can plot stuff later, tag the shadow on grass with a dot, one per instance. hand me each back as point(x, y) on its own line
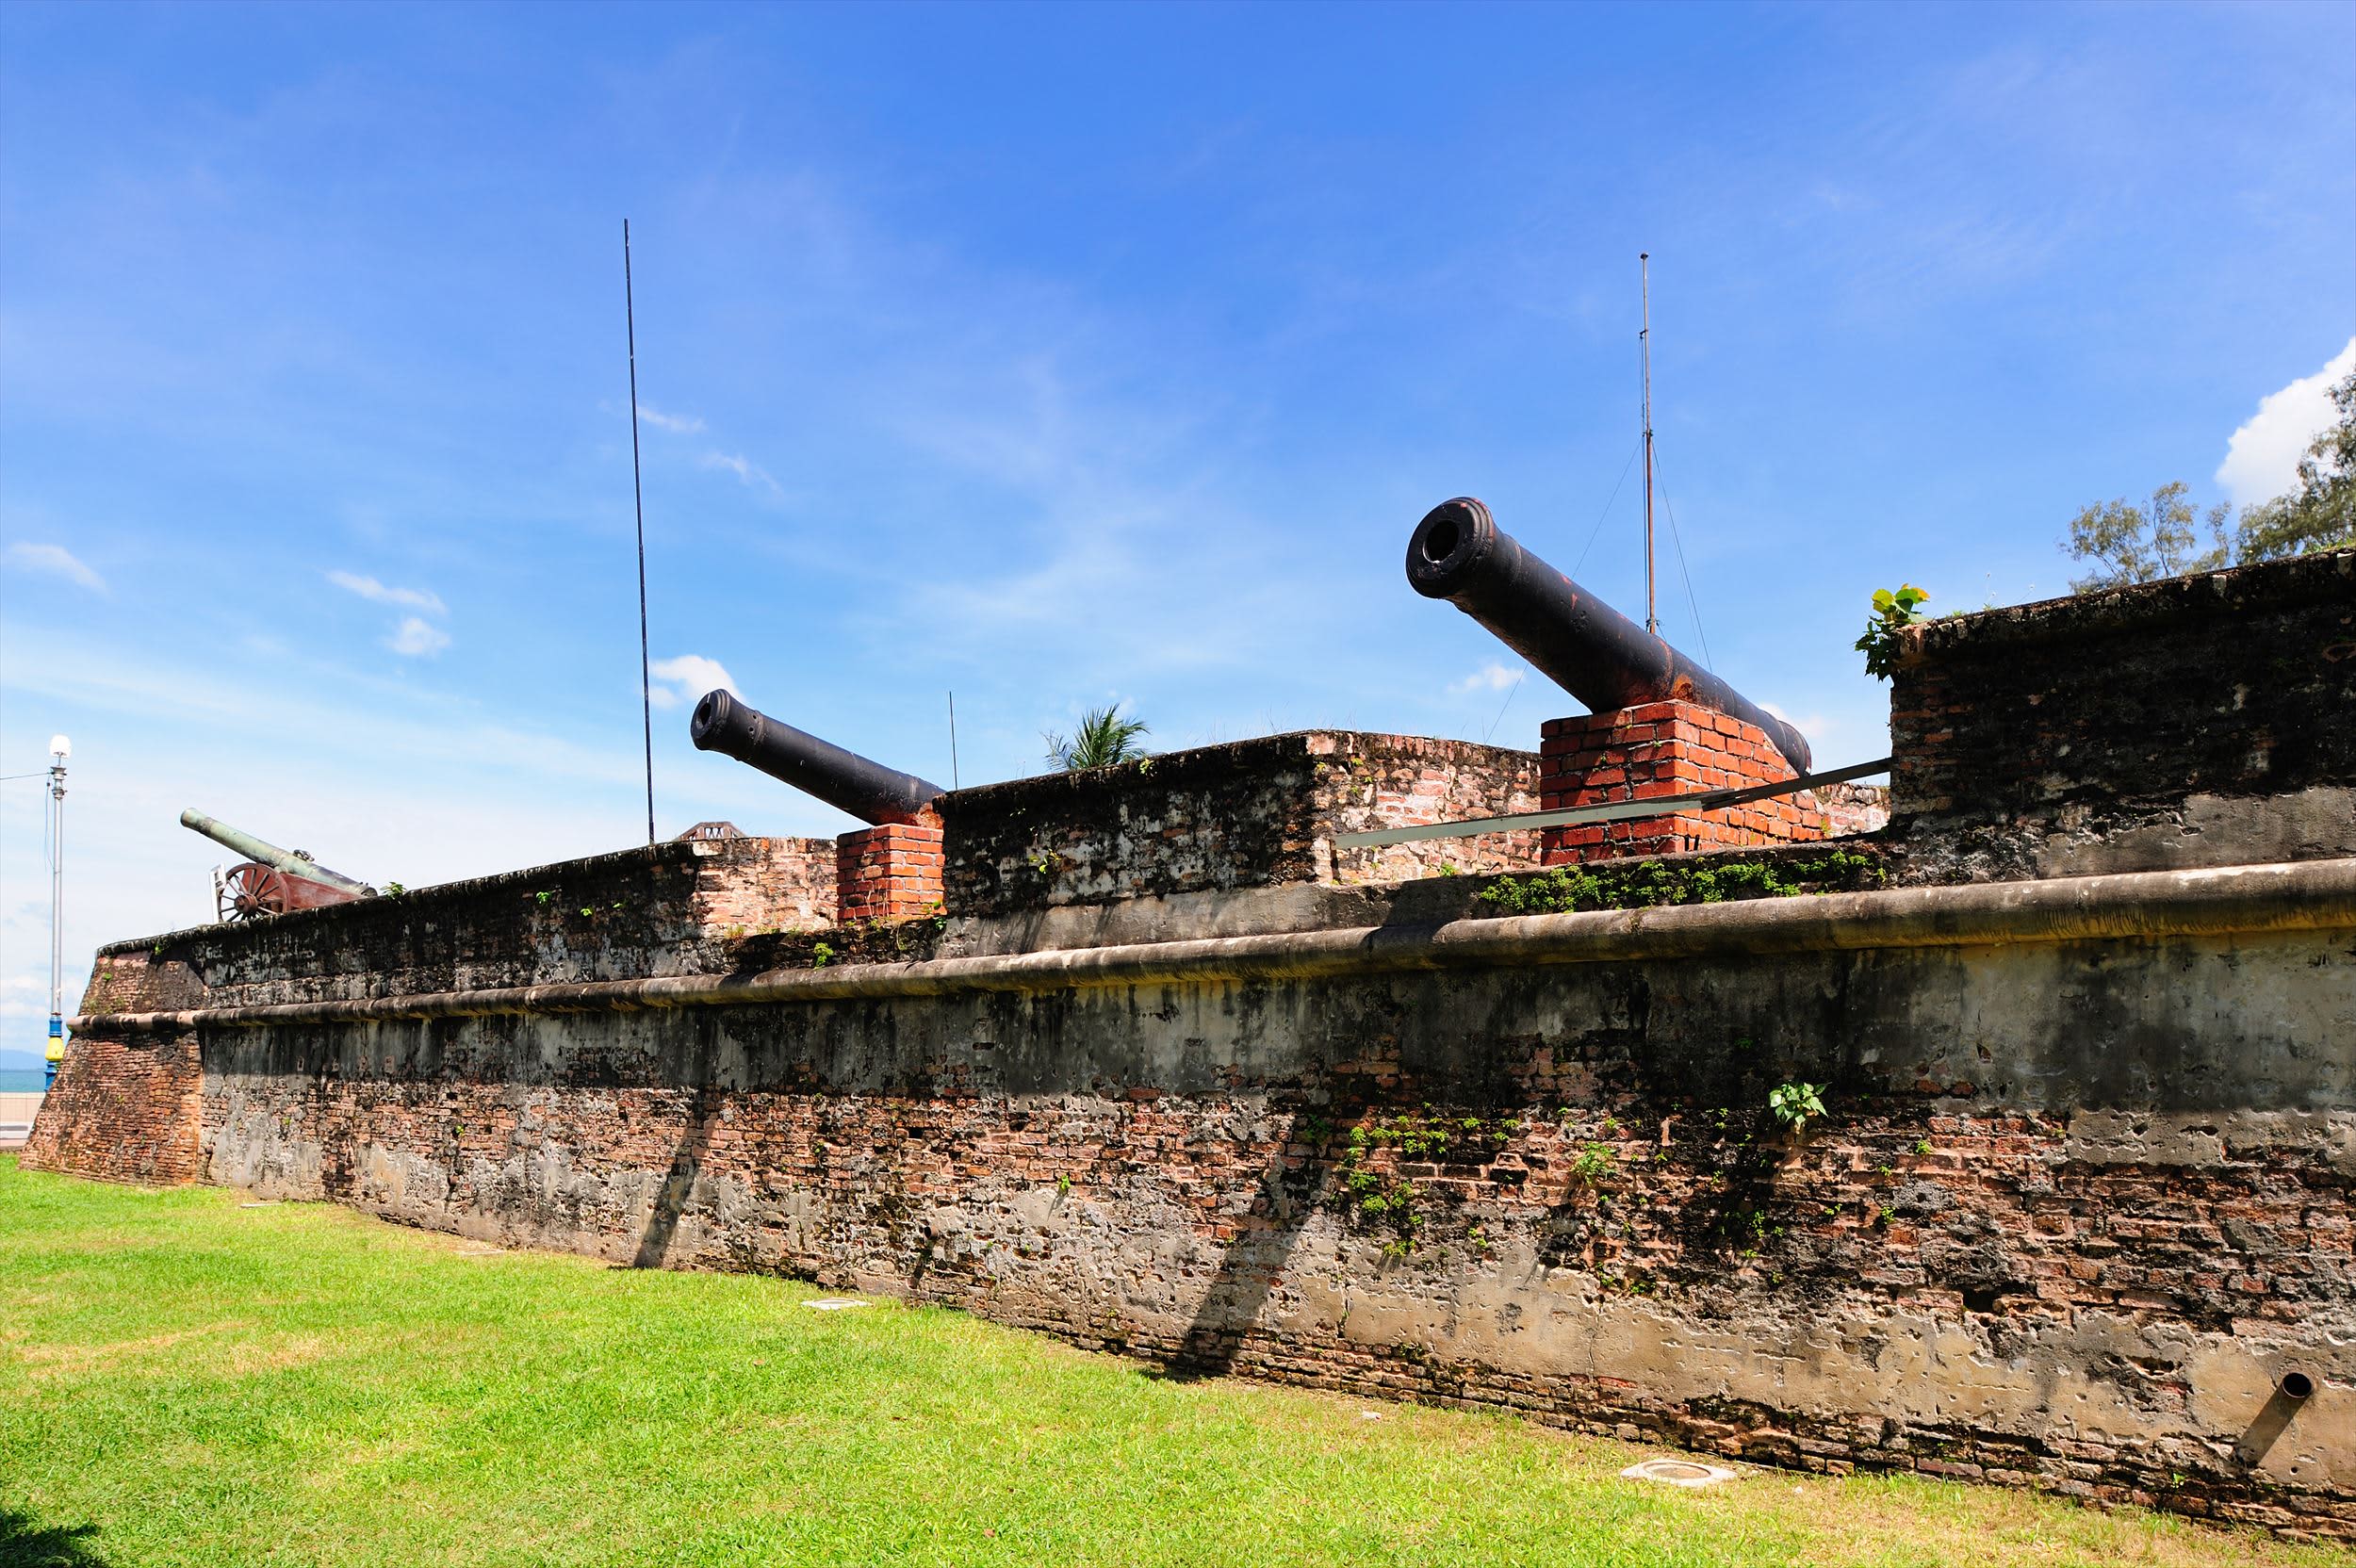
point(26, 1542)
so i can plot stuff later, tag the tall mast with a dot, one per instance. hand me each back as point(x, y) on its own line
point(1643, 338)
point(638, 500)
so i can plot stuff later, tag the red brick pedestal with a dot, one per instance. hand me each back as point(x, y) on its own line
point(1664, 748)
point(888, 872)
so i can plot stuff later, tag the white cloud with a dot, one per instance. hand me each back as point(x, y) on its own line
point(368, 588)
point(685, 678)
point(1491, 677)
point(417, 637)
point(1816, 727)
point(58, 561)
point(678, 424)
point(2261, 459)
point(752, 474)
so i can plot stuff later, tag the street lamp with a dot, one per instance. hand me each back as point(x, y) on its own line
point(59, 749)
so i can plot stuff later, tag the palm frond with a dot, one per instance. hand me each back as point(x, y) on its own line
point(1103, 739)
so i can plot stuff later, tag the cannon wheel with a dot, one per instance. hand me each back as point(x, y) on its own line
point(251, 892)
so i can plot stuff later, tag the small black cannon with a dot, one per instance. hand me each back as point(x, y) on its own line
point(844, 779)
point(1570, 636)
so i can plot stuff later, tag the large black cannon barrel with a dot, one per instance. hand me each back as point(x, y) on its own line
point(869, 790)
point(1569, 635)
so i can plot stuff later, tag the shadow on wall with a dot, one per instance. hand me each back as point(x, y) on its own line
point(1249, 1267)
point(654, 1246)
point(26, 1542)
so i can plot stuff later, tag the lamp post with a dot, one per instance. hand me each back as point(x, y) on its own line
point(59, 749)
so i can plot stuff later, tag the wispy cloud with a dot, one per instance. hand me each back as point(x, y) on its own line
point(368, 588)
point(417, 638)
point(56, 560)
point(2261, 459)
point(1491, 677)
point(750, 473)
point(1816, 727)
point(685, 678)
point(677, 424)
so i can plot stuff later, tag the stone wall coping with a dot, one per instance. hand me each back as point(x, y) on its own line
point(2302, 895)
point(2255, 589)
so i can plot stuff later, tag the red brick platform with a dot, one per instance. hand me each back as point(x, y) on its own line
point(1665, 748)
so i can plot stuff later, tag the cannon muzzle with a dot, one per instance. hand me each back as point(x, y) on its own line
point(844, 779)
point(1570, 636)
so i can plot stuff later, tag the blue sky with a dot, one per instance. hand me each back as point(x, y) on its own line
point(1055, 355)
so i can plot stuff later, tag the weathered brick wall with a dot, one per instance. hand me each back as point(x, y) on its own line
point(1253, 813)
point(124, 1110)
point(755, 885)
point(2049, 1231)
point(2199, 721)
point(1850, 809)
point(1665, 748)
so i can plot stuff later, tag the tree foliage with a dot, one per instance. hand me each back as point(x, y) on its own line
point(1103, 739)
point(2128, 542)
point(2320, 515)
point(2139, 543)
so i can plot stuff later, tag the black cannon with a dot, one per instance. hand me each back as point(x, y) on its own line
point(845, 779)
point(1570, 636)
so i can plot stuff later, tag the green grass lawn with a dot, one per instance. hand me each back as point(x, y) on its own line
point(191, 1382)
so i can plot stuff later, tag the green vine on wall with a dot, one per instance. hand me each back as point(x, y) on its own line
point(1373, 1194)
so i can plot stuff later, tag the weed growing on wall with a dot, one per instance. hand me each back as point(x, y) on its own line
point(1892, 614)
point(1368, 1188)
point(1655, 882)
point(1796, 1104)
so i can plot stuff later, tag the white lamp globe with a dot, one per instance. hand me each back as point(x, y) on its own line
point(61, 747)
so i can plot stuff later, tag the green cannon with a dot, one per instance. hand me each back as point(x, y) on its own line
point(270, 880)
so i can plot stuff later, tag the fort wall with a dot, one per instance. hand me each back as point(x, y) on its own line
point(1167, 1074)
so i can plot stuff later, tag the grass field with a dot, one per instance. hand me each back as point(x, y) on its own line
point(191, 1382)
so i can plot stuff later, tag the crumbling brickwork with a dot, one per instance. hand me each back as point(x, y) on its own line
point(1665, 748)
point(124, 1110)
point(1853, 809)
point(766, 885)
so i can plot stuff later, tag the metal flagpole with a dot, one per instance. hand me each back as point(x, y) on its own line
point(638, 500)
point(1643, 338)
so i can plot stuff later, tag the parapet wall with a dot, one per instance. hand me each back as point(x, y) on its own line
point(677, 908)
point(2206, 720)
point(1249, 814)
